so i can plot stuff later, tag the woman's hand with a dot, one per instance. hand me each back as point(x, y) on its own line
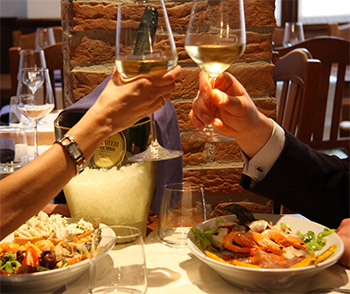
point(125, 102)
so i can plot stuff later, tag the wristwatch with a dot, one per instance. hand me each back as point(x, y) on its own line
point(74, 152)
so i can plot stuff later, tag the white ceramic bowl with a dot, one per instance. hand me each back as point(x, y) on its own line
point(53, 281)
point(273, 280)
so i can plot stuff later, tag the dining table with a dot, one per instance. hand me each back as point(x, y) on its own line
point(178, 271)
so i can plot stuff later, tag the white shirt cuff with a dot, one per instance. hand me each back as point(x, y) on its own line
point(258, 166)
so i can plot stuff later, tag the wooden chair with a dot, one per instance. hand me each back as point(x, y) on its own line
point(298, 75)
point(341, 31)
point(54, 61)
point(334, 54)
point(27, 41)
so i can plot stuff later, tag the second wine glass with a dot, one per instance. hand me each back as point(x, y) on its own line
point(215, 38)
point(145, 44)
point(35, 99)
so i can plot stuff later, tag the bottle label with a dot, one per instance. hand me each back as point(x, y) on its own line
point(111, 152)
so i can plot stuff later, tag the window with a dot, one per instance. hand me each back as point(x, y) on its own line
point(323, 11)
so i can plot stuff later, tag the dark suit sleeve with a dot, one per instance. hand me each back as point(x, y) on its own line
point(310, 183)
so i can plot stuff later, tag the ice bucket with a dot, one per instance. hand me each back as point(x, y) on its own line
point(112, 190)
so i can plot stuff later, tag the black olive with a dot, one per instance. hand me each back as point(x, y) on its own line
point(48, 259)
point(20, 256)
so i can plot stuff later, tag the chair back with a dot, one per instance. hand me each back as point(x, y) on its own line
point(54, 62)
point(334, 55)
point(298, 75)
point(341, 31)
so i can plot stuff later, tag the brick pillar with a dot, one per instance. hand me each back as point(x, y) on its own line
point(89, 49)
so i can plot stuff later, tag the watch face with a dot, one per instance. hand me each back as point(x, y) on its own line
point(111, 152)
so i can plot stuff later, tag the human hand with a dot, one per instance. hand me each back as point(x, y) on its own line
point(343, 232)
point(236, 115)
point(127, 101)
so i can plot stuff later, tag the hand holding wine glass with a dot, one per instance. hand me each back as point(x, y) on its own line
point(35, 97)
point(145, 45)
point(215, 38)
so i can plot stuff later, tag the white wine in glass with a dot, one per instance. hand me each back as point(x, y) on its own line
point(215, 38)
point(145, 45)
point(35, 104)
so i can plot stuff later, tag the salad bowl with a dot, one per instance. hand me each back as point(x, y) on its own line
point(51, 281)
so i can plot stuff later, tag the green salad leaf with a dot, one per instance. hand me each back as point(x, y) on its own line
point(315, 242)
point(10, 264)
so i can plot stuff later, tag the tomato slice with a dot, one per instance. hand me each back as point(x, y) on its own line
point(31, 258)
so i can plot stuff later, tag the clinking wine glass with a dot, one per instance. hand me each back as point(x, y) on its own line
point(145, 44)
point(215, 38)
point(35, 99)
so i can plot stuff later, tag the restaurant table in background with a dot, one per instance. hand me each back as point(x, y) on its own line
point(174, 271)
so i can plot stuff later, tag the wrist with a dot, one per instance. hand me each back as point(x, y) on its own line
point(252, 140)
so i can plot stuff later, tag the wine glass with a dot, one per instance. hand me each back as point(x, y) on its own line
point(293, 33)
point(145, 44)
point(35, 100)
point(44, 37)
point(215, 38)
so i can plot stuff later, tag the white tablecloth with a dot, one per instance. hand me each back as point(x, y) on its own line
point(178, 271)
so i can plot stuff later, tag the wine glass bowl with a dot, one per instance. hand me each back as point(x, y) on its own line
point(44, 37)
point(145, 45)
point(215, 38)
point(35, 98)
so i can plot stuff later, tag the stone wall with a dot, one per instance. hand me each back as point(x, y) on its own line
point(89, 48)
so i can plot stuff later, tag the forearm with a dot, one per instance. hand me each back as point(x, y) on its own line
point(33, 186)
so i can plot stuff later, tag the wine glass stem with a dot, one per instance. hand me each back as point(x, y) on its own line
point(154, 140)
point(36, 149)
point(212, 78)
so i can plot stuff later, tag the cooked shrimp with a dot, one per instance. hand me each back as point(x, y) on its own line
point(267, 244)
point(284, 239)
point(244, 244)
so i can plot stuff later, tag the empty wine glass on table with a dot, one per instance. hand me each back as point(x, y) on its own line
point(293, 33)
point(145, 44)
point(215, 38)
point(44, 37)
point(35, 98)
point(29, 58)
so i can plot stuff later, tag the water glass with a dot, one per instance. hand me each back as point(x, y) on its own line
point(13, 149)
point(123, 270)
point(293, 33)
point(182, 207)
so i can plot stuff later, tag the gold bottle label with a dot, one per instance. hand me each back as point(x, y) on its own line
point(111, 153)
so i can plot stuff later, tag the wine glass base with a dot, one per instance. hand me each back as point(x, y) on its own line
point(206, 136)
point(156, 153)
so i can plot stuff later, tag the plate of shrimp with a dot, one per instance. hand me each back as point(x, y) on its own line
point(269, 252)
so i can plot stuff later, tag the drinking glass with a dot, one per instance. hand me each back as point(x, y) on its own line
point(145, 44)
point(35, 100)
point(31, 58)
point(13, 149)
point(44, 37)
point(182, 207)
point(123, 270)
point(215, 38)
point(293, 33)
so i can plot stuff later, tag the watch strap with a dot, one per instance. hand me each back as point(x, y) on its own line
point(74, 152)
